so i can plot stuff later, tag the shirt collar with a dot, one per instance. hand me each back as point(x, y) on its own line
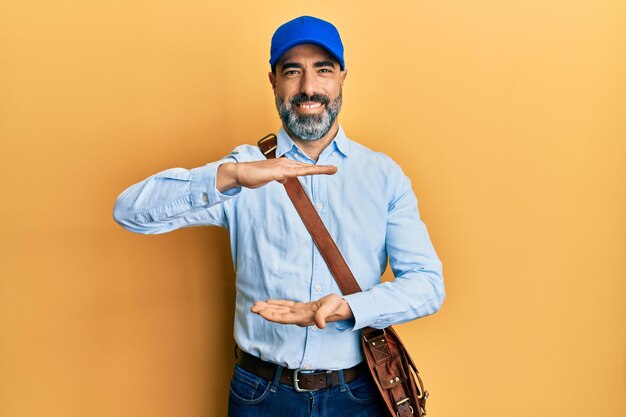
point(286, 144)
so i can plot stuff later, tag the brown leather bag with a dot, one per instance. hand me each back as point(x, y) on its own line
point(390, 364)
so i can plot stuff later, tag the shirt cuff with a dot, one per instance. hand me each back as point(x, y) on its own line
point(361, 306)
point(344, 325)
point(204, 192)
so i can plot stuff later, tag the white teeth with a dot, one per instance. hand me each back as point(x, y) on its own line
point(310, 106)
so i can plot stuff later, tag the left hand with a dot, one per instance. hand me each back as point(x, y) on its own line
point(327, 309)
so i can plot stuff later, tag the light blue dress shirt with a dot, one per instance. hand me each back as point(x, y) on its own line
point(369, 209)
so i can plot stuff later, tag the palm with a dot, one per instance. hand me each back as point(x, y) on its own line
point(328, 308)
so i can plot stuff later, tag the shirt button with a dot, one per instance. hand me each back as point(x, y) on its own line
point(314, 327)
point(318, 288)
point(319, 206)
point(205, 198)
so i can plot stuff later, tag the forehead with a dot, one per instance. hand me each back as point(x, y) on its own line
point(305, 52)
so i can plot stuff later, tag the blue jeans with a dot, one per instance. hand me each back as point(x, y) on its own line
point(253, 396)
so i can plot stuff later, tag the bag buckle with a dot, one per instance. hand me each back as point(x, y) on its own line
point(399, 403)
point(378, 336)
point(296, 380)
point(261, 145)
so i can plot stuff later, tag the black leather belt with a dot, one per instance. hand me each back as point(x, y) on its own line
point(302, 380)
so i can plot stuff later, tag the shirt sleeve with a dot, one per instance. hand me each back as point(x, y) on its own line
point(418, 288)
point(175, 198)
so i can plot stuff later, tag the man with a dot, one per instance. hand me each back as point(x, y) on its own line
point(365, 201)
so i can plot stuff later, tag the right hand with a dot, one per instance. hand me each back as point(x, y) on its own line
point(258, 173)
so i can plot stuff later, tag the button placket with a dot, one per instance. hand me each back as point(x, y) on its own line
point(312, 341)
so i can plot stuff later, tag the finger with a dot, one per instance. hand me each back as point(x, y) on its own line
point(307, 169)
point(322, 314)
point(259, 304)
point(326, 308)
point(316, 170)
point(301, 318)
point(288, 303)
point(285, 311)
point(267, 308)
point(276, 311)
point(319, 320)
point(273, 302)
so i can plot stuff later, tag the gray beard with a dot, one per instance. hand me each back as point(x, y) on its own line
point(309, 127)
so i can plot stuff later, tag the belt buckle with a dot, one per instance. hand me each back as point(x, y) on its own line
point(295, 381)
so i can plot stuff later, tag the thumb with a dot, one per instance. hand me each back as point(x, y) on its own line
point(326, 308)
point(320, 318)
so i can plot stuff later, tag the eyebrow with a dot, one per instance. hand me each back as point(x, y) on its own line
point(290, 65)
point(318, 64)
point(324, 64)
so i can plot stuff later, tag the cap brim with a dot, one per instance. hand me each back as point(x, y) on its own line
point(285, 48)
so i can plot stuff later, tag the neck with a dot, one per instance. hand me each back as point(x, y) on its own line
point(313, 148)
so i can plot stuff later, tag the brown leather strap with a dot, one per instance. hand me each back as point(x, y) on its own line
point(311, 219)
point(401, 406)
point(306, 381)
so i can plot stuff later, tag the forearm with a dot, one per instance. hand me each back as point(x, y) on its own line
point(418, 287)
point(415, 294)
point(172, 199)
point(227, 177)
point(178, 197)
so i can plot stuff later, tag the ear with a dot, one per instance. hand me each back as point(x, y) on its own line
point(344, 74)
point(272, 78)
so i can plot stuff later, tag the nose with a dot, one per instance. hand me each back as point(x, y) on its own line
point(308, 84)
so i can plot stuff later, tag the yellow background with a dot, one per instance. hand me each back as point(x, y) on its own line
point(507, 115)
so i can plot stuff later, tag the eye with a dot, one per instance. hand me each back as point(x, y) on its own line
point(325, 71)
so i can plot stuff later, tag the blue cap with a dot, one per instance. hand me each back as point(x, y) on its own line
point(306, 29)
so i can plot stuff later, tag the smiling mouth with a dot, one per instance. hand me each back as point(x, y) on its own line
point(309, 105)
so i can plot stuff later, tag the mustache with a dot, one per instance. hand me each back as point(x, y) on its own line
point(303, 98)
